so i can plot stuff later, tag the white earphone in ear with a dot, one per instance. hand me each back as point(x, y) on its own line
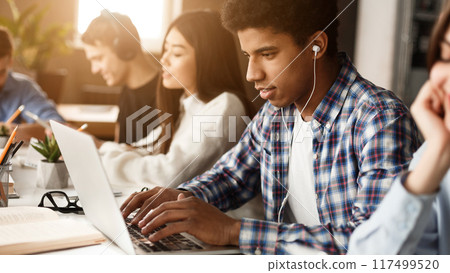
point(316, 49)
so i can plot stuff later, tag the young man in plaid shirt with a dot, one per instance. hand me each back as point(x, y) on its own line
point(323, 150)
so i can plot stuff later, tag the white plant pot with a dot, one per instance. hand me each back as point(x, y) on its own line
point(52, 175)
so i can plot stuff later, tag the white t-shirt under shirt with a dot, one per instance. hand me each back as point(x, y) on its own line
point(302, 206)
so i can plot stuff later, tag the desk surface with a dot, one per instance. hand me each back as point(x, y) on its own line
point(100, 118)
point(89, 112)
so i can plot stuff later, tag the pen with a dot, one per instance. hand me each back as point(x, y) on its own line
point(14, 116)
point(10, 140)
point(82, 127)
point(17, 148)
point(38, 120)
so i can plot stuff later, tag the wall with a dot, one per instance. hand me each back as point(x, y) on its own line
point(347, 26)
point(375, 40)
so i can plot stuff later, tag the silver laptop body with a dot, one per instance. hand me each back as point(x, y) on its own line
point(91, 183)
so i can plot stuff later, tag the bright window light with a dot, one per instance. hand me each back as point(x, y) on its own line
point(147, 16)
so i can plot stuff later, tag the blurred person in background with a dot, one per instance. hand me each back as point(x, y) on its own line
point(113, 47)
point(17, 89)
point(414, 218)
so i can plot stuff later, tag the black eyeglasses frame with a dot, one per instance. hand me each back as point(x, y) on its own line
point(72, 206)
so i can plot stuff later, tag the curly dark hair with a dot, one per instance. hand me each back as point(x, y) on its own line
point(298, 18)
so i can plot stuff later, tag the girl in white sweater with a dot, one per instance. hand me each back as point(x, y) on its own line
point(201, 87)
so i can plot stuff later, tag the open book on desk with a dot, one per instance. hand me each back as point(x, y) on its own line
point(26, 230)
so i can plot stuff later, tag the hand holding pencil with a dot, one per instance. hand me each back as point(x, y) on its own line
point(15, 115)
point(82, 127)
point(38, 120)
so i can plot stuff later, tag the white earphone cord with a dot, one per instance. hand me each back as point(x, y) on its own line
point(301, 112)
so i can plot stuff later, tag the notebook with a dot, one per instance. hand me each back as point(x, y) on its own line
point(100, 207)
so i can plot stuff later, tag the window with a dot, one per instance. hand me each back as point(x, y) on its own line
point(151, 18)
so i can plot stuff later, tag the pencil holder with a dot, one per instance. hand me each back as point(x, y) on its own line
point(5, 170)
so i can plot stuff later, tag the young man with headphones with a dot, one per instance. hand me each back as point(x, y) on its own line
point(323, 150)
point(112, 45)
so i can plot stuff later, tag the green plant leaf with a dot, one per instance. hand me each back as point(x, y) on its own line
point(9, 24)
point(14, 10)
point(48, 148)
point(54, 156)
point(24, 17)
point(4, 131)
point(47, 141)
point(40, 150)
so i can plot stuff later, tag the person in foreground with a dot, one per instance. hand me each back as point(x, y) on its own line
point(202, 87)
point(414, 217)
point(323, 150)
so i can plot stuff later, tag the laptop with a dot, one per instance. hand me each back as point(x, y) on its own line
point(91, 183)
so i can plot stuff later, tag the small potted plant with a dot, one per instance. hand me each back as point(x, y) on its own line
point(52, 172)
point(4, 135)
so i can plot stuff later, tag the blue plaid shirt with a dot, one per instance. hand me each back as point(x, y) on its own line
point(363, 137)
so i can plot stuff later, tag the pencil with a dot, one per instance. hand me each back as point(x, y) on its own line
point(10, 140)
point(38, 120)
point(82, 127)
point(8, 153)
point(17, 113)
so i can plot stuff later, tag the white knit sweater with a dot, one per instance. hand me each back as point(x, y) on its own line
point(202, 136)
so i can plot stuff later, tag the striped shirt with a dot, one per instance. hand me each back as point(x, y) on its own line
point(363, 137)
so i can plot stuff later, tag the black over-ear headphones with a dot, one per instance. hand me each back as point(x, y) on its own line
point(124, 45)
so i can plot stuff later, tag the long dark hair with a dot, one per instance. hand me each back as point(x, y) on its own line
point(439, 30)
point(217, 62)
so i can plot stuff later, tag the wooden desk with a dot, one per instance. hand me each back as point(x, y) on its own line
point(100, 118)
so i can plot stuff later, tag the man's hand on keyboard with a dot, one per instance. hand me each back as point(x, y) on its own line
point(194, 216)
point(148, 200)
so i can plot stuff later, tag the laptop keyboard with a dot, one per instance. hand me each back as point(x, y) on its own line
point(175, 242)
